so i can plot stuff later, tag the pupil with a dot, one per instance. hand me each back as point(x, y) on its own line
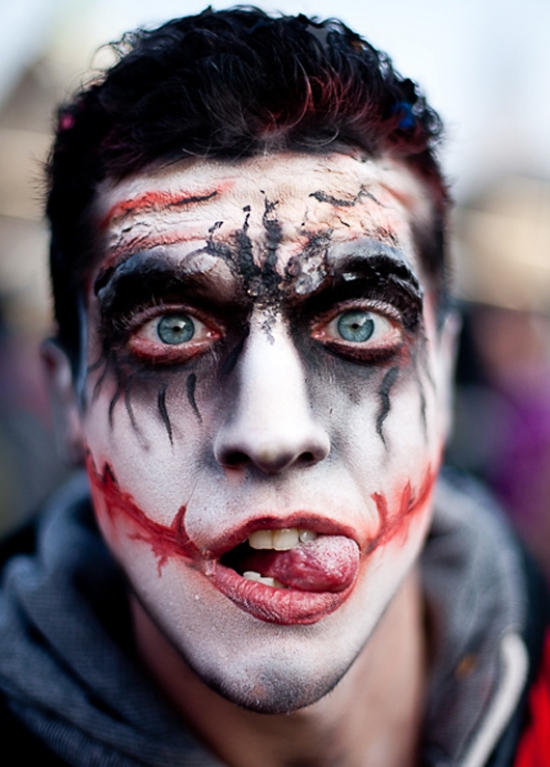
point(356, 326)
point(175, 329)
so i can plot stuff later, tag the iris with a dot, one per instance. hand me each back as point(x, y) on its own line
point(175, 329)
point(356, 326)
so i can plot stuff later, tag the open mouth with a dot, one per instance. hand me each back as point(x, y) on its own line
point(288, 575)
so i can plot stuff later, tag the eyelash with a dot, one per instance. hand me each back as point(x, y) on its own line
point(154, 350)
point(371, 349)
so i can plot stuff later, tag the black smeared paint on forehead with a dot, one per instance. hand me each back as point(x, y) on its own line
point(261, 281)
point(336, 202)
point(244, 256)
point(271, 279)
point(237, 253)
point(385, 404)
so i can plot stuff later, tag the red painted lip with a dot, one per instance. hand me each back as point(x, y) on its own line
point(282, 606)
point(302, 520)
point(286, 607)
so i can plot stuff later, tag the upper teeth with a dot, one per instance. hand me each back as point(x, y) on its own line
point(280, 540)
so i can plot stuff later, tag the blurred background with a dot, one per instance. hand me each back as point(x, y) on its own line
point(484, 65)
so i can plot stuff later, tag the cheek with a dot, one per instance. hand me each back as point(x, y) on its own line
point(376, 413)
point(151, 436)
point(126, 526)
point(407, 506)
point(385, 436)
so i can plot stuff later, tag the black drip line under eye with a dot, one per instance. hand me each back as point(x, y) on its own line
point(191, 384)
point(103, 360)
point(122, 381)
point(385, 402)
point(420, 362)
point(161, 404)
point(127, 386)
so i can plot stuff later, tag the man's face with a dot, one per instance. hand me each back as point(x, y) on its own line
point(264, 417)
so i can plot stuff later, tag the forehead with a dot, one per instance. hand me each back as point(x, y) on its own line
point(343, 197)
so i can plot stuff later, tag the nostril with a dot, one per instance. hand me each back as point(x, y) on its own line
point(235, 458)
point(307, 458)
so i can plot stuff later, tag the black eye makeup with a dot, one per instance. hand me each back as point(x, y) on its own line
point(158, 312)
point(174, 335)
point(361, 332)
point(383, 280)
point(367, 309)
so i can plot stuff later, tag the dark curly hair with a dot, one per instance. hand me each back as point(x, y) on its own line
point(228, 83)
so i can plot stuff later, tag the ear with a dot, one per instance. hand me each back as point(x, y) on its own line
point(64, 402)
point(448, 345)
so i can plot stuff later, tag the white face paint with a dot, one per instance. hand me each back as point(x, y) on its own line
point(263, 368)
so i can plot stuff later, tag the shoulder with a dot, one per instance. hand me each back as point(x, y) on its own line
point(20, 745)
point(485, 591)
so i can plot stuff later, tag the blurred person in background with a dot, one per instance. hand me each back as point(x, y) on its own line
point(263, 563)
point(502, 423)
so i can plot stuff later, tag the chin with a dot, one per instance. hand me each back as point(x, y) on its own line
point(274, 691)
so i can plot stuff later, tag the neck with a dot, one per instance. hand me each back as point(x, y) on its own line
point(372, 717)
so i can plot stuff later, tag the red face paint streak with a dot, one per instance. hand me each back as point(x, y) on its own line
point(161, 200)
point(130, 245)
point(165, 542)
point(410, 504)
point(281, 606)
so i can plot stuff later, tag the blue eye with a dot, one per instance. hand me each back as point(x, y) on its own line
point(175, 329)
point(172, 337)
point(361, 334)
point(356, 326)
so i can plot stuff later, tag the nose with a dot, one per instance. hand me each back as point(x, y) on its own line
point(271, 426)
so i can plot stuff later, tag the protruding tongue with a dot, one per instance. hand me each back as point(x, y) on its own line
point(329, 563)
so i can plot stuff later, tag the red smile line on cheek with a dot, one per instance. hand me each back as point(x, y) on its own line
point(165, 542)
point(411, 504)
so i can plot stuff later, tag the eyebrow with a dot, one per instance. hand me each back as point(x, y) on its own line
point(377, 271)
point(145, 277)
point(376, 256)
point(374, 271)
point(154, 201)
